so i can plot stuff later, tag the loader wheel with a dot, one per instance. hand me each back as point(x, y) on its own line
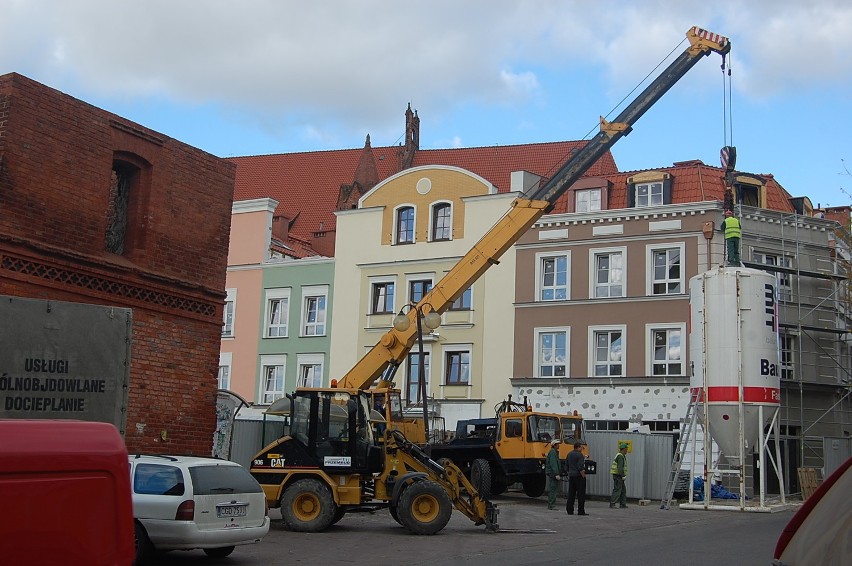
point(480, 477)
point(424, 508)
point(394, 512)
point(307, 506)
point(534, 485)
point(338, 515)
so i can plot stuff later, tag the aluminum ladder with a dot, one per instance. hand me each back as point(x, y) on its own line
point(687, 431)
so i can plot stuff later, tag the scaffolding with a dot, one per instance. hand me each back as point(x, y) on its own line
point(812, 260)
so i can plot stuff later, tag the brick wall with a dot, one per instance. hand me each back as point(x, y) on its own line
point(57, 156)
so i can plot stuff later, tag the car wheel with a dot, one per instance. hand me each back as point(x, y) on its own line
point(424, 508)
point(480, 477)
point(144, 548)
point(220, 552)
point(307, 506)
point(534, 485)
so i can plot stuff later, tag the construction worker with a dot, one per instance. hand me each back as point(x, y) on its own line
point(551, 469)
point(733, 233)
point(618, 469)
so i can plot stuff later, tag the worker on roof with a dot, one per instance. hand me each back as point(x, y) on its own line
point(551, 469)
point(733, 233)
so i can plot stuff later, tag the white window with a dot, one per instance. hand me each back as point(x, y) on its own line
point(310, 370)
point(442, 221)
point(649, 194)
point(607, 351)
point(785, 287)
point(552, 352)
point(277, 313)
point(224, 370)
point(272, 371)
point(665, 269)
point(787, 343)
point(608, 269)
point(414, 393)
point(228, 313)
point(382, 296)
point(457, 365)
point(552, 276)
point(665, 353)
point(314, 300)
point(404, 225)
point(587, 200)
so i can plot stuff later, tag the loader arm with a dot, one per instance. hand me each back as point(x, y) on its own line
point(381, 361)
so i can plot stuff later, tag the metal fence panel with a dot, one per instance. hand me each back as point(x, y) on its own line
point(648, 463)
point(837, 450)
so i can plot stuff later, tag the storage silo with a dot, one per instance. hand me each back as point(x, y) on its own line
point(733, 347)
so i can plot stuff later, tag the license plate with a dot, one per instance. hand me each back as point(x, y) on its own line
point(231, 510)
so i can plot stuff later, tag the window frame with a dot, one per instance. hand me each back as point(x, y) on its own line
point(594, 254)
point(458, 350)
point(540, 288)
point(268, 396)
point(538, 362)
point(385, 283)
point(409, 385)
point(594, 331)
point(304, 361)
point(464, 302)
point(426, 280)
point(397, 222)
point(433, 221)
point(588, 192)
point(650, 279)
point(650, 348)
point(278, 294)
point(784, 280)
point(651, 193)
point(319, 292)
point(229, 312)
point(787, 355)
point(225, 363)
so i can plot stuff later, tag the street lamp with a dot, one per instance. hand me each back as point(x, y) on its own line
point(431, 320)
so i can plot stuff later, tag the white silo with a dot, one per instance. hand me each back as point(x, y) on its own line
point(733, 347)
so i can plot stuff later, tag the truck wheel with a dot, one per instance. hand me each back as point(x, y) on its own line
point(307, 506)
point(480, 477)
point(534, 485)
point(498, 486)
point(424, 508)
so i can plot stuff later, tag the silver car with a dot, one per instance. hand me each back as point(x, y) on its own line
point(187, 502)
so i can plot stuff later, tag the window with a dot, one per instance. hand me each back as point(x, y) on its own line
point(405, 225)
point(224, 378)
point(665, 349)
point(272, 378)
point(310, 370)
point(649, 194)
point(606, 425)
point(417, 289)
point(382, 297)
point(442, 221)
point(412, 386)
point(277, 312)
point(457, 367)
point(463, 303)
point(748, 195)
point(785, 287)
point(313, 315)
point(587, 200)
point(228, 313)
point(552, 352)
point(607, 351)
point(608, 271)
point(158, 479)
point(552, 277)
point(787, 343)
point(665, 275)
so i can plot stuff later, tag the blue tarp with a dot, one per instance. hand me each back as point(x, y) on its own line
point(716, 491)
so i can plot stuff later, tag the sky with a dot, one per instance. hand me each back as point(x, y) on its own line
point(278, 76)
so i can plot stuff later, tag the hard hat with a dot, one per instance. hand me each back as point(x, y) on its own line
point(555, 441)
point(622, 445)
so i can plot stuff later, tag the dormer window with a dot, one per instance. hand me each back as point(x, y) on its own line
point(652, 188)
point(649, 194)
point(587, 200)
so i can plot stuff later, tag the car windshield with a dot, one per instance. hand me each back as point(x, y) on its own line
point(212, 480)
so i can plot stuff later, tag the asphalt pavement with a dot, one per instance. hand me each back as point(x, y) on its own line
point(530, 534)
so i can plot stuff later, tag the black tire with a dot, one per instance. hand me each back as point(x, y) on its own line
point(338, 515)
point(220, 552)
point(144, 548)
point(307, 506)
point(498, 487)
point(480, 477)
point(424, 508)
point(394, 513)
point(534, 485)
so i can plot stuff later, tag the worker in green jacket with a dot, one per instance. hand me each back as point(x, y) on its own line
point(733, 234)
point(552, 470)
point(618, 469)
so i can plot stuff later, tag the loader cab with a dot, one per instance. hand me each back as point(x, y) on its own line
point(334, 427)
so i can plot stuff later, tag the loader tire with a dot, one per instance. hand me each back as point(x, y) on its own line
point(534, 484)
point(480, 477)
point(307, 506)
point(424, 508)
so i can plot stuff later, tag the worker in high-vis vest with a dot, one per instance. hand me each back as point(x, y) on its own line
point(618, 469)
point(733, 233)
